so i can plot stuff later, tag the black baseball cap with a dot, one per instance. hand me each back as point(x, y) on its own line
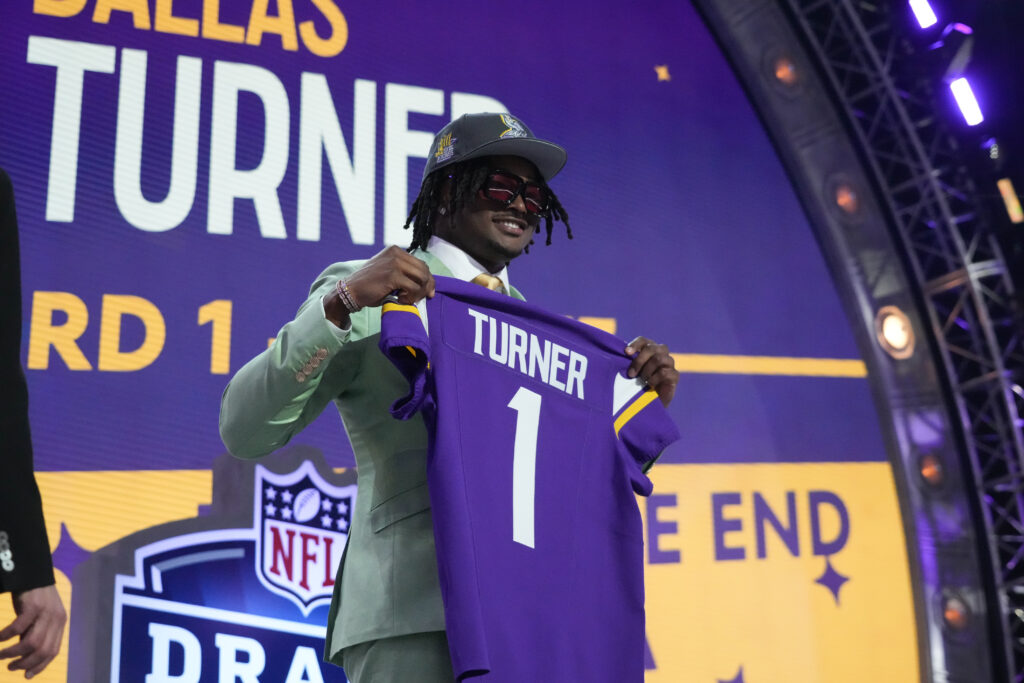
point(482, 135)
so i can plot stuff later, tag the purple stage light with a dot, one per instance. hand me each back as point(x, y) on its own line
point(923, 12)
point(966, 101)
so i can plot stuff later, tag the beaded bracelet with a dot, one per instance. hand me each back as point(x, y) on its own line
point(345, 294)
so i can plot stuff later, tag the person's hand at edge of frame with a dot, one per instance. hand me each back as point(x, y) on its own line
point(654, 365)
point(40, 624)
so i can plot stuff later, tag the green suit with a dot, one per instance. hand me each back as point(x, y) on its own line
point(387, 584)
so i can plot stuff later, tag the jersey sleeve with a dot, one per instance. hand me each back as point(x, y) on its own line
point(643, 428)
point(403, 339)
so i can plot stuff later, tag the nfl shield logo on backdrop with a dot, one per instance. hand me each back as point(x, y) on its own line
point(301, 524)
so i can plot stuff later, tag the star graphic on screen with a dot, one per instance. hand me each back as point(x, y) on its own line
point(342, 525)
point(271, 493)
point(832, 580)
point(286, 513)
point(737, 679)
point(68, 554)
point(325, 520)
point(271, 509)
point(326, 504)
point(286, 495)
point(343, 507)
point(662, 71)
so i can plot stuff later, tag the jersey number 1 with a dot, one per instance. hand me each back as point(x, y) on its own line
point(526, 403)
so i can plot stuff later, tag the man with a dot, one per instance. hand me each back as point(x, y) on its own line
point(483, 197)
point(26, 568)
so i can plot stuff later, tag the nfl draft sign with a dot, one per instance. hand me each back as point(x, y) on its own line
point(303, 523)
point(238, 593)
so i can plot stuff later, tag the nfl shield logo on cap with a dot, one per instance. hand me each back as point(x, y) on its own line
point(472, 136)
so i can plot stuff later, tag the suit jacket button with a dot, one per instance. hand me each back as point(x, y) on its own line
point(300, 377)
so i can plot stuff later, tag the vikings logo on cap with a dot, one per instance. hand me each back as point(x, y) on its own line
point(515, 128)
point(303, 526)
point(445, 148)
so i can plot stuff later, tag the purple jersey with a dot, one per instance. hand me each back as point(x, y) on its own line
point(538, 443)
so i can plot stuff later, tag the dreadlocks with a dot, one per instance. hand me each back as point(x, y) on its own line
point(467, 179)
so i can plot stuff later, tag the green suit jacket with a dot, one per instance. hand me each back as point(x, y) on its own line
point(387, 583)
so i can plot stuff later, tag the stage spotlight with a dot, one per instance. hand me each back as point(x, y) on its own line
point(955, 612)
point(894, 332)
point(846, 198)
point(966, 101)
point(785, 70)
point(924, 13)
point(931, 470)
point(1010, 200)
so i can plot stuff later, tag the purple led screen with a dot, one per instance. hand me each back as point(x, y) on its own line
point(686, 227)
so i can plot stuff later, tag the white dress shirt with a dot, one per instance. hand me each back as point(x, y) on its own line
point(462, 265)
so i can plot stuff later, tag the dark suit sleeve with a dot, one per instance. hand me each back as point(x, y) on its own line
point(25, 560)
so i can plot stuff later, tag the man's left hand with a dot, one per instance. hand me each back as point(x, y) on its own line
point(654, 365)
point(40, 625)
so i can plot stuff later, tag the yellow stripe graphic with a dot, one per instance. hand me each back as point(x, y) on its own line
point(400, 307)
point(769, 365)
point(637, 405)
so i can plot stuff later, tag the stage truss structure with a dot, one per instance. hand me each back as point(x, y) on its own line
point(858, 118)
point(954, 256)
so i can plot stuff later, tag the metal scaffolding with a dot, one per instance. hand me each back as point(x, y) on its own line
point(948, 247)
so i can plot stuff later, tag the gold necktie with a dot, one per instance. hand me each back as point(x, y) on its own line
point(490, 282)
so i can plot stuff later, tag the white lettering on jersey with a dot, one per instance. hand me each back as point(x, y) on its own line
point(551, 363)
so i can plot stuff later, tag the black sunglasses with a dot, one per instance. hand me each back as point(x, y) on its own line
point(504, 187)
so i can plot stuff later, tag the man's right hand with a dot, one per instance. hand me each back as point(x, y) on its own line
point(40, 627)
point(392, 269)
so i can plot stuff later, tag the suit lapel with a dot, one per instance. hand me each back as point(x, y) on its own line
point(434, 263)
